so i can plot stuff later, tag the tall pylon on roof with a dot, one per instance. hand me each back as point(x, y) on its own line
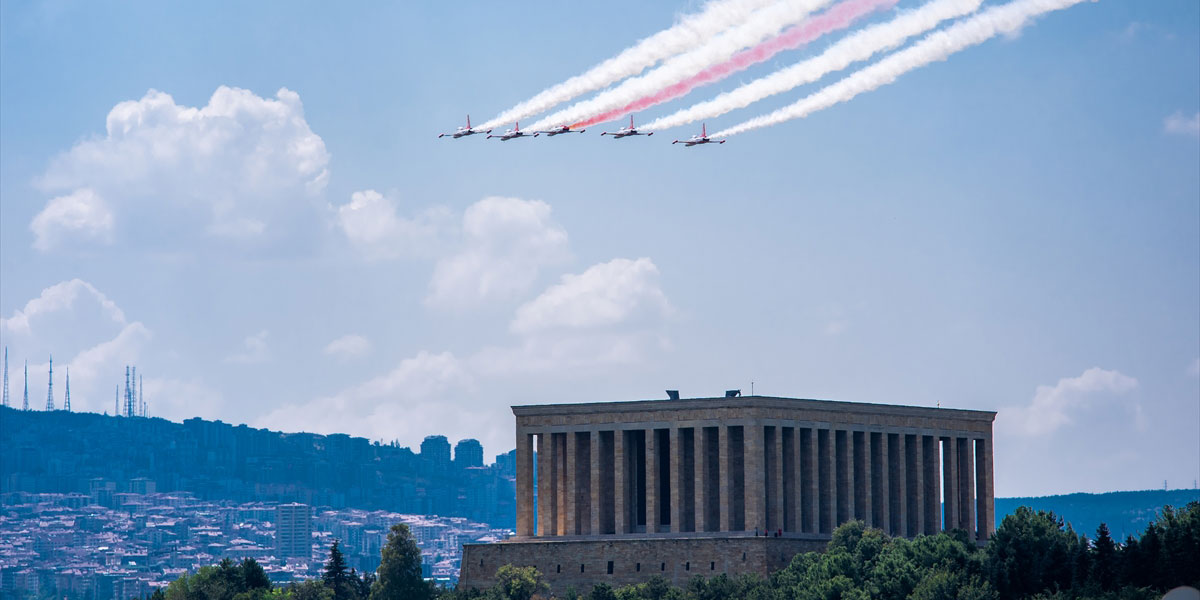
point(50, 386)
point(142, 394)
point(67, 400)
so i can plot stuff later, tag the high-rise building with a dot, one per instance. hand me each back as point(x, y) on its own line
point(293, 530)
point(468, 453)
point(436, 449)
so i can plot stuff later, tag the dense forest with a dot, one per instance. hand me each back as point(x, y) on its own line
point(1033, 555)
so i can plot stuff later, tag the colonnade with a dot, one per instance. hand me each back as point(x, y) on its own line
point(769, 477)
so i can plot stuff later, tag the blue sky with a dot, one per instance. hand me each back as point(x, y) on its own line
point(1014, 229)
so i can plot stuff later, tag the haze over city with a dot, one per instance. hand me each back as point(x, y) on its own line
point(251, 204)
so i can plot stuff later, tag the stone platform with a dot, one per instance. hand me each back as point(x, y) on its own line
point(588, 560)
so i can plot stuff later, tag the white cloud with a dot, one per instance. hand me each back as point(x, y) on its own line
point(254, 350)
point(426, 394)
point(1180, 124)
point(506, 244)
point(178, 399)
point(349, 346)
point(76, 218)
point(240, 167)
point(608, 294)
point(1054, 406)
point(61, 296)
point(371, 222)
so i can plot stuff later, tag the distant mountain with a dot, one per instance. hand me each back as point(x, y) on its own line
point(1126, 513)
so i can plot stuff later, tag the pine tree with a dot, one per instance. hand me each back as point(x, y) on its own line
point(399, 573)
point(336, 577)
point(1104, 561)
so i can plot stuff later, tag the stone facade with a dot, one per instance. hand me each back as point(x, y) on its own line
point(673, 482)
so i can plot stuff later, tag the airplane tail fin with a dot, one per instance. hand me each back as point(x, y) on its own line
point(631, 121)
point(703, 130)
point(468, 121)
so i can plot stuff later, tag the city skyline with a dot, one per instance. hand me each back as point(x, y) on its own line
point(258, 213)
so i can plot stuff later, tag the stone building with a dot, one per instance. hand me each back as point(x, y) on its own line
point(623, 491)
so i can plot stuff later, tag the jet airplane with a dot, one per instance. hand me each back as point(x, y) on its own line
point(627, 131)
point(561, 130)
point(696, 140)
point(463, 131)
point(512, 134)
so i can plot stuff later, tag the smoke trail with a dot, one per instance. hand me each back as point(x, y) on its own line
point(1006, 18)
point(691, 31)
point(838, 17)
point(761, 25)
point(855, 47)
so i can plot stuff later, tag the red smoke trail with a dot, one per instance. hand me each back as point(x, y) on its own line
point(839, 17)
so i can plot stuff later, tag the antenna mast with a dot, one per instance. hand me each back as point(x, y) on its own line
point(5, 377)
point(50, 386)
point(25, 403)
point(67, 401)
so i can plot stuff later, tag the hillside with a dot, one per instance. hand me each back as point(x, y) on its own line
point(1126, 513)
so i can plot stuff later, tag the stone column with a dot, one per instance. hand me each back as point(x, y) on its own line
point(755, 478)
point(676, 470)
point(931, 498)
point(844, 445)
point(916, 484)
point(700, 454)
point(950, 481)
point(570, 484)
point(898, 485)
point(774, 521)
point(597, 455)
point(983, 475)
point(545, 486)
point(620, 484)
point(862, 477)
point(525, 524)
point(725, 479)
point(966, 485)
point(559, 443)
point(827, 459)
point(652, 498)
point(810, 508)
point(880, 475)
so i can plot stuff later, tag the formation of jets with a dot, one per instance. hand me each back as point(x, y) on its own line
point(631, 130)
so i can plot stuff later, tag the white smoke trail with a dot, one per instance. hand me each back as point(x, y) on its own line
point(1006, 18)
point(851, 49)
point(761, 25)
point(693, 30)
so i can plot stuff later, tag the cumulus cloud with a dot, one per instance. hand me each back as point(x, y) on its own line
point(1055, 406)
point(348, 346)
point(254, 350)
point(1180, 124)
point(612, 313)
point(59, 297)
point(179, 399)
point(607, 294)
point(239, 167)
point(423, 394)
point(373, 225)
point(506, 244)
point(80, 217)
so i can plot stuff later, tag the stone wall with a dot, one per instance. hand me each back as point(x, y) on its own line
point(584, 563)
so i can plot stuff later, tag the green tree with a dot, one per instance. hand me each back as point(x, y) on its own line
point(1030, 553)
point(336, 576)
point(519, 583)
point(309, 589)
point(602, 591)
point(399, 573)
point(253, 576)
point(1104, 560)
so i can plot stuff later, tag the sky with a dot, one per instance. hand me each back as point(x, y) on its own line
point(250, 204)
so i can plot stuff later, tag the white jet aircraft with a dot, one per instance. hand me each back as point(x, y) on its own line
point(560, 130)
point(512, 134)
point(696, 140)
point(626, 131)
point(463, 131)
